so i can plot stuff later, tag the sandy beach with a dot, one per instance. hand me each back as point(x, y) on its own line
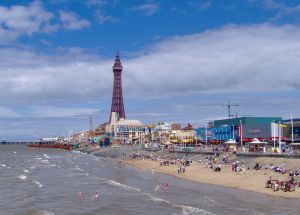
point(252, 180)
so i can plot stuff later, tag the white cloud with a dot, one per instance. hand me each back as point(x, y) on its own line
point(102, 18)
point(203, 5)
point(56, 111)
point(6, 112)
point(232, 60)
point(72, 21)
point(283, 9)
point(96, 2)
point(18, 20)
point(147, 9)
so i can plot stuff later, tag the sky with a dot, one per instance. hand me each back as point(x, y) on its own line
point(183, 61)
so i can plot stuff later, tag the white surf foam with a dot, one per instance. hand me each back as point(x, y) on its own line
point(46, 156)
point(156, 199)
point(189, 210)
point(3, 165)
point(212, 201)
point(37, 184)
point(32, 167)
point(45, 162)
point(15, 152)
point(117, 184)
point(77, 168)
point(43, 213)
point(22, 177)
point(186, 210)
point(26, 170)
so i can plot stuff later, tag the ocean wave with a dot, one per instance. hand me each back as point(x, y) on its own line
point(26, 170)
point(37, 183)
point(117, 184)
point(32, 167)
point(52, 165)
point(188, 210)
point(43, 213)
point(156, 199)
point(46, 156)
point(214, 202)
point(77, 168)
point(3, 165)
point(22, 177)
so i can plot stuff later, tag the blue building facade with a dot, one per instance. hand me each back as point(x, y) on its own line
point(222, 133)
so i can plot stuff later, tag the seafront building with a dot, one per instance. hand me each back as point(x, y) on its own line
point(243, 129)
point(255, 132)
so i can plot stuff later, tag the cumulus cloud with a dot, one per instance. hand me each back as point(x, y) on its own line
point(96, 2)
point(282, 10)
point(20, 20)
point(203, 5)
point(72, 21)
point(260, 58)
point(102, 18)
point(147, 9)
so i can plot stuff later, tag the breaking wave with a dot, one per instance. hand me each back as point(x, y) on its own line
point(37, 184)
point(22, 177)
point(46, 156)
point(186, 210)
point(117, 184)
point(43, 213)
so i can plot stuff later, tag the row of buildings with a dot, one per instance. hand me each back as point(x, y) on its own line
point(120, 130)
point(242, 130)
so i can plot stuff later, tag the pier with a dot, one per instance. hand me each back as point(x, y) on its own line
point(24, 142)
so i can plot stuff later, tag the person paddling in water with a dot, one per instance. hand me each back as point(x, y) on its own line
point(96, 196)
point(166, 185)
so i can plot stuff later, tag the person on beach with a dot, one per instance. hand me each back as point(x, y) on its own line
point(96, 196)
point(152, 171)
point(166, 185)
point(157, 187)
point(80, 194)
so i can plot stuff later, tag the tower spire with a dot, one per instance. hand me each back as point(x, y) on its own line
point(117, 104)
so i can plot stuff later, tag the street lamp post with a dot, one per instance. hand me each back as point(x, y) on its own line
point(241, 130)
point(292, 124)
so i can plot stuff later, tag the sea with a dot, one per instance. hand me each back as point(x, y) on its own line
point(57, 182)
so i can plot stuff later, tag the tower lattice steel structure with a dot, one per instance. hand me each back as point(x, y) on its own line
point(117, 104)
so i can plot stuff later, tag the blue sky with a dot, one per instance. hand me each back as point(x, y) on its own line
point(179, 58)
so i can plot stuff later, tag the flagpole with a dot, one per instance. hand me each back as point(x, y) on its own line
point(274, 133)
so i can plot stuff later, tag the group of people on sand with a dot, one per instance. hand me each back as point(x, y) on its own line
point(181, 169)
point(237, 166)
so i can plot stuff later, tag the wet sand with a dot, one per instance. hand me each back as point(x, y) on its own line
point(252, 180)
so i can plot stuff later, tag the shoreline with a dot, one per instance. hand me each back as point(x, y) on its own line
point(252, 180)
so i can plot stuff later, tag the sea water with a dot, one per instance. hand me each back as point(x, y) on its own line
point(57, 182)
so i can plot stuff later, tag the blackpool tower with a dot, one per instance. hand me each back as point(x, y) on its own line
point(117, 104)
